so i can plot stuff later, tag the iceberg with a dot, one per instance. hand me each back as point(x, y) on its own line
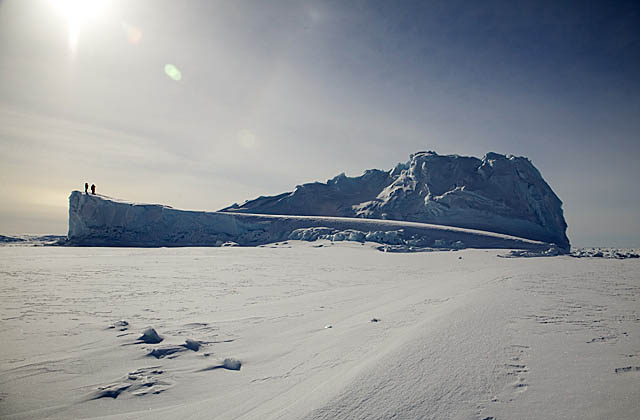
point(97, 220)
point(498, 193)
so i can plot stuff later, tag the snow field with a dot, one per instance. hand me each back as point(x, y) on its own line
point(243, 334)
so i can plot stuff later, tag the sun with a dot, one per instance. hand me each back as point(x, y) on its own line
point(78, 13)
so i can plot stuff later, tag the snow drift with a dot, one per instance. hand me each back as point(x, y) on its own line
point(96, 220)
point(498, 193)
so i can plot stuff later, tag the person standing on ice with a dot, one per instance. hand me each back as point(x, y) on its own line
point(93, 189)
point(86, 188)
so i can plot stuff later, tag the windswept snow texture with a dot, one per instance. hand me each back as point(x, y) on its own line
point(287, 332)
point(503, 194)
point(101, 221)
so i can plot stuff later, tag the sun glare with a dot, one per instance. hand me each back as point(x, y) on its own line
point(78, 13)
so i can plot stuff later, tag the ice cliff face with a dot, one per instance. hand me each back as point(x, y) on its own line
point(498, 193)
point(96, 220)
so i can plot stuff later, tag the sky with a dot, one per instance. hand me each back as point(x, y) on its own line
point(200, 104)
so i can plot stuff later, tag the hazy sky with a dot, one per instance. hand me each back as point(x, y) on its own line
point(277, 93)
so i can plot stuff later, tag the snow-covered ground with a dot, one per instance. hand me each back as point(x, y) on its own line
point(316, 330)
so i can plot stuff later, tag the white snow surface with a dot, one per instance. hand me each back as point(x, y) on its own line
point(498, 193)
point(287, 331)
point(96, 220)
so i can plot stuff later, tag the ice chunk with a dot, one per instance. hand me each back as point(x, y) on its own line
point(150, 336)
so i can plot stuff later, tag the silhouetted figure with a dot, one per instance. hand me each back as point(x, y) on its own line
point(86, 188)
point(93, 189)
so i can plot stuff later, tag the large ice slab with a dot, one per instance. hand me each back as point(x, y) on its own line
point(498, 193)
point(96, 220)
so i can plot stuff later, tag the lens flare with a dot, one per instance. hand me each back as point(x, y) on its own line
point(173, 72)
point(134, 34)
point(78, 13)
